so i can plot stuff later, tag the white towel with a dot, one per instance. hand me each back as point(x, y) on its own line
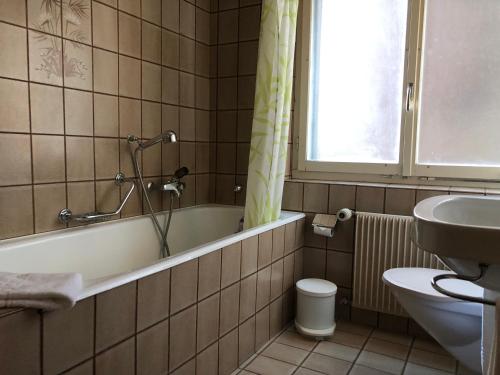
point(45, 291)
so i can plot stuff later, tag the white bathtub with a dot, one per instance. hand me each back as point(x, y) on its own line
point(114, 253)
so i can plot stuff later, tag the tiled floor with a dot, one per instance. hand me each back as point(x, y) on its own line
point(353, 350)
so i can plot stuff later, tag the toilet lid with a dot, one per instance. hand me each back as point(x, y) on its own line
point(418, 280)
point(316, 287)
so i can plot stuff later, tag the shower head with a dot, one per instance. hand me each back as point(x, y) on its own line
point(167, 137)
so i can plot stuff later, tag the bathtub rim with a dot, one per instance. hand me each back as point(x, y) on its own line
point(114, 281)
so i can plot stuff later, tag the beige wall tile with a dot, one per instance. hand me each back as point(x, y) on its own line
point(106, 158)
point(184, 285)
point(151, 11)
point(339, 268)
point(46, 109)
point(151, 81)
point(265, 249)
point(343, 238)
point(130, 77)
point(187, 19)
point(86, 368)
point(50, 199)
point(170, 86)
point(130, 6)
point(78, 66)
point(276, 279)
point(48, 158)
point(152, 350)
point(246, 92)
point(316, 198)
point(68, 336)
point(105, 115)
point(129, 29)
point(246, 337)
point(229, 308)
point(292, 196)
point(231, 261)
point(16, 205)
point(182, 337)
point(248, 292)
point(227, 93)
point(341, 196)
point(151, 42)
point(20, 341)
point(314, 262)
point(187, 89)
point(13, 11)
point(228, 353)
point(79, 158)
point(78, 112)
point(153, 299)
point(261, 327)
point(37, 14)
point(14, 107)
point(209, 274)
point(290, 230)
point(228, 26)
point(170, 15)
point(79, 22)
point(399, 201)
point(370, 199)
point(14, 57)
point(249, 25)
point(263, 287)
point(81, 196)
point(278, 242)
point(249, 254)
point(107, 195)
point(288, 267)
point(43, 69)
point(105, 71)
point(170, 49)
point(105, 26)
point(117, 302)
point(151, 119)
point(117, 360)
point(130, 117)
point(15, 159)
point(208, 322)
point(275, 317)
point(208, 360)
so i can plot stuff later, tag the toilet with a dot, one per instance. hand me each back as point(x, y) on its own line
point(455, 324)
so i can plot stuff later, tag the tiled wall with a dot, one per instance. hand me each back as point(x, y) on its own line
point(204, 316)
point(237, 47)
point(76, 79)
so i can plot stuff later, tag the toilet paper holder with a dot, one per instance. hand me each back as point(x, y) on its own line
point(324, 225)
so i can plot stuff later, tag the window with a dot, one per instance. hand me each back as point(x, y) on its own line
point(400, 88)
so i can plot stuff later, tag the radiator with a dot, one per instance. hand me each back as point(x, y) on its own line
point(384, 242)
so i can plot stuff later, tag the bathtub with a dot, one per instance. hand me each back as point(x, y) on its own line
point(114, 253)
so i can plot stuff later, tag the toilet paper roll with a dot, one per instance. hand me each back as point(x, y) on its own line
point(323, 231)
point(344, 214)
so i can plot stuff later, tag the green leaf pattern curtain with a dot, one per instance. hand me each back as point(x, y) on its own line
point(271, 118)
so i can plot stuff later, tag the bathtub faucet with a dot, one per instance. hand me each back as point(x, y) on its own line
point(174, 185)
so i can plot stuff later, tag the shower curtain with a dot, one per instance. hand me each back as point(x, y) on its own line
point(271, 118)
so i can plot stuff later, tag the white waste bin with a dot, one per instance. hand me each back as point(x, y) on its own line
point(315, 307)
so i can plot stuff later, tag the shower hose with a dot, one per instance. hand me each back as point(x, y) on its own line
point(162, 232)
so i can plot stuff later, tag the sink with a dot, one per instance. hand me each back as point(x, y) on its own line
point(464, 231)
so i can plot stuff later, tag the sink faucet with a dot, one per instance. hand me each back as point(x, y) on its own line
point(174, 185)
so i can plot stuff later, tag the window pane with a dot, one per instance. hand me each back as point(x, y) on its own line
point(460, 84)
point(357, 80)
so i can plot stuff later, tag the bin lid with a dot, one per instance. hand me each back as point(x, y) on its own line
point(316, 287)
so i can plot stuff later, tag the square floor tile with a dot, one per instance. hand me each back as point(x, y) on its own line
point(380, 362)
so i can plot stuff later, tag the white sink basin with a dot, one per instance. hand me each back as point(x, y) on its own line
point(464, 231)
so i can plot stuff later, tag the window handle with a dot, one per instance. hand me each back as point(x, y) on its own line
point(409, 96)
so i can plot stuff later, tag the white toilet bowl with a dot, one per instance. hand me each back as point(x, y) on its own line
point(455, 324)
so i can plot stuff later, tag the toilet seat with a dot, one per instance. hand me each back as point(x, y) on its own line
point(418, 281)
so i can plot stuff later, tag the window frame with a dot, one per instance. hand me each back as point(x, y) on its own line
point(407, 171)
